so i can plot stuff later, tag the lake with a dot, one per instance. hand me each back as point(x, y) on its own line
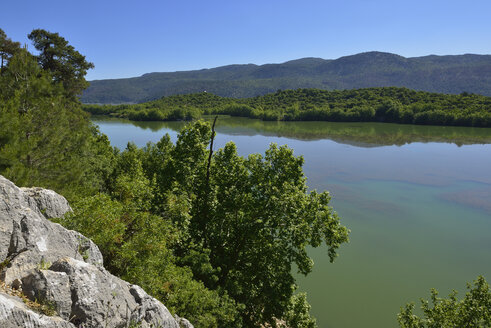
point(416, 198)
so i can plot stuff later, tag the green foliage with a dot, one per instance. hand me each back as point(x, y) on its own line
point(472, 311)
point(98, 160)
point(297, 315)
point(167, 114)
point(102, 222)
point(42, 133)
point(45, 138)
point(203, 307)
point(7, 49)
point(396, 105)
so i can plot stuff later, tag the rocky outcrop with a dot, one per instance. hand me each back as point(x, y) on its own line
point(14, 314)
point(63, 270)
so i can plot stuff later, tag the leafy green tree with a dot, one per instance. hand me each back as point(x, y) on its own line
point(248, 224)
point(472, 311)
point(66, 64)
point(261, 220)
point(297, 314)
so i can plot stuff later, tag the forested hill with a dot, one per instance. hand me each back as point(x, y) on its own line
point(443, 74)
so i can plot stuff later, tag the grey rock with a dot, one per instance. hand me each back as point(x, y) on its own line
point(64, 268)
point(51, 287)
point(182, 322)
point(48, 202)
point(150, 311)
point(14, 314)
point(27, 239)
point(12, 208)
point(36, 242)
point(102, 299)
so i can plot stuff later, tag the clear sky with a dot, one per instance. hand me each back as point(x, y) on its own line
point(130, 38)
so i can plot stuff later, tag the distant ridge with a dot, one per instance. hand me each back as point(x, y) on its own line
point(444, 74)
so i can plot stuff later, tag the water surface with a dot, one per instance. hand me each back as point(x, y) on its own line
point(416, 198)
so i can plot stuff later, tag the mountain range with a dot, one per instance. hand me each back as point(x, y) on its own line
point(444, 74)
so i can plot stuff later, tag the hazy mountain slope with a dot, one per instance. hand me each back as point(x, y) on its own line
point(446, 74)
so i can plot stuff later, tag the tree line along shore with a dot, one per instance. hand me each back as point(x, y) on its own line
point(384, 104)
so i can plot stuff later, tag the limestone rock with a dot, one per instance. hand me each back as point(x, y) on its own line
point(52, 287)
point(12, 207)
point(14, 314)
point(64, 269)
point(36, 242)
point(48, 202)
point(183, 323)
point(150, 310)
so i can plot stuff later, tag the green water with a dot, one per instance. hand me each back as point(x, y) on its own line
point(416, 198)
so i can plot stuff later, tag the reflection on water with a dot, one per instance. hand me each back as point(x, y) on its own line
point(418, 207)
point(358, 133)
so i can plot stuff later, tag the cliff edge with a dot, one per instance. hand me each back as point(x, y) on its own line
point(62, 272)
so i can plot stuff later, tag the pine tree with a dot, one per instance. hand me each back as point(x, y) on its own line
point(7, 49)
point(44, 135)
point(66, 64)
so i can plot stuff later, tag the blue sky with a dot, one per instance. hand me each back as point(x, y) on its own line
point(130, 38)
